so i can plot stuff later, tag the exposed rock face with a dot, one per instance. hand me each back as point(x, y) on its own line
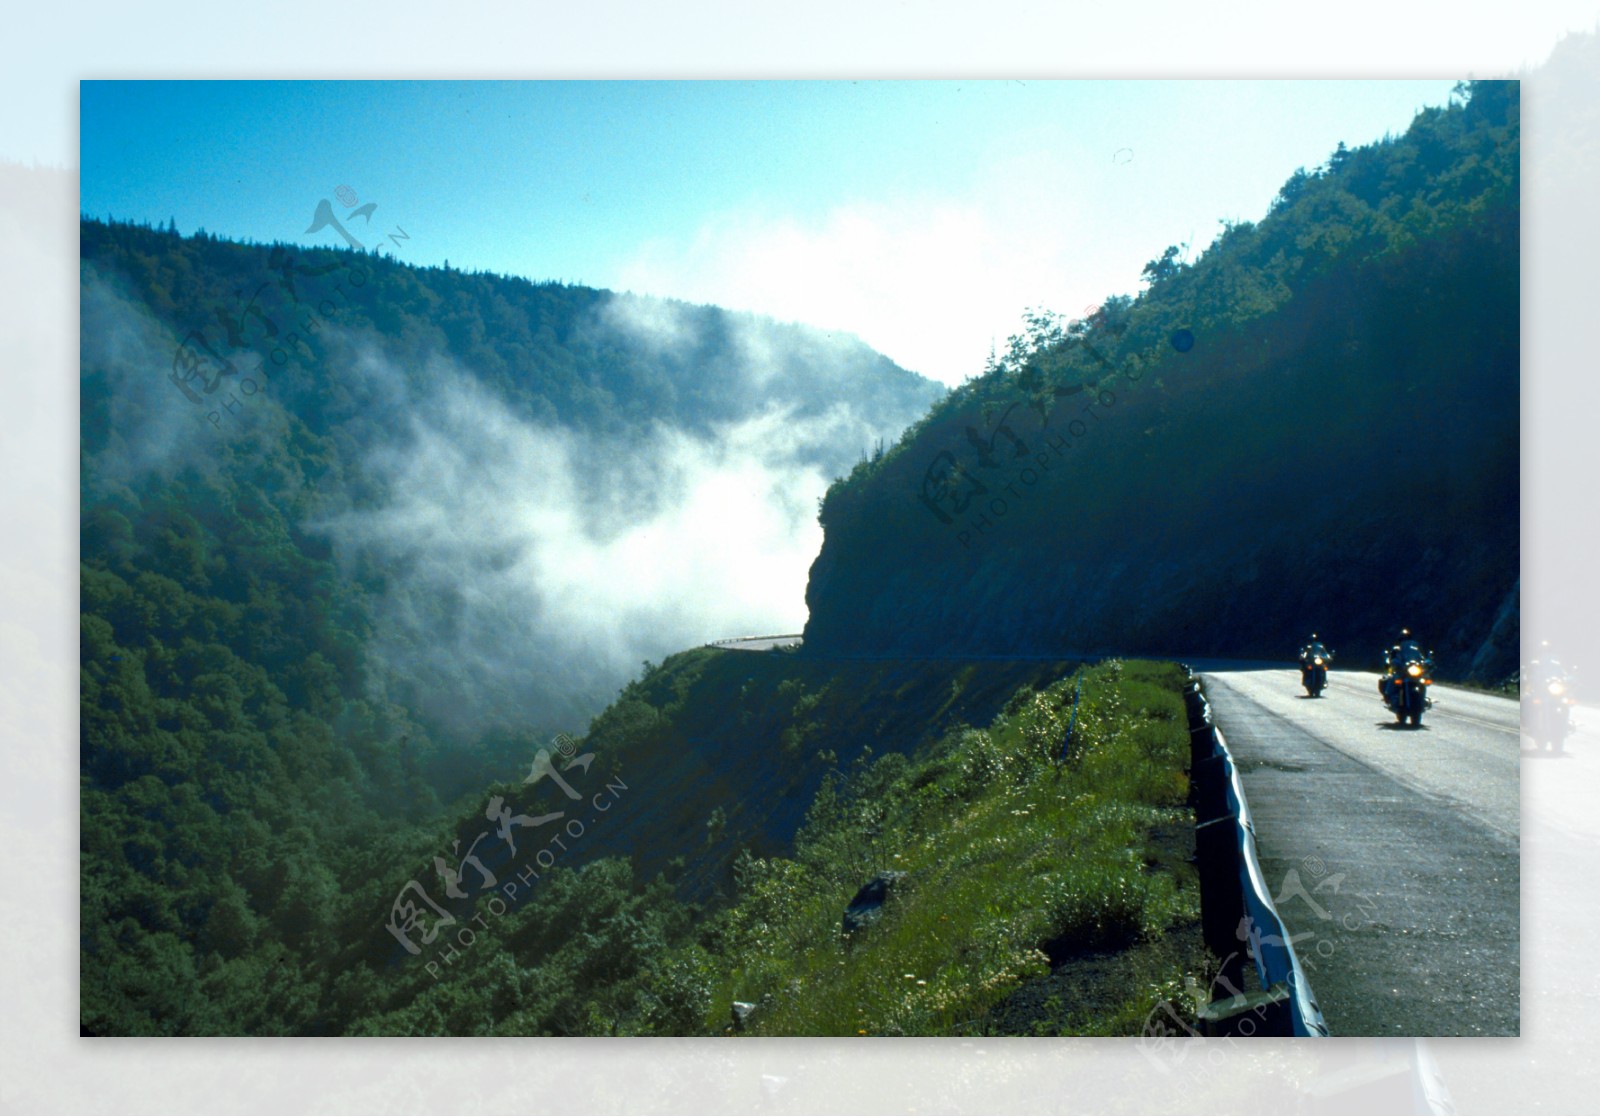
point(867, 905)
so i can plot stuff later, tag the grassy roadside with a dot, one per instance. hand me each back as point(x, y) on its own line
point(1017, 867)
point(1041, 896)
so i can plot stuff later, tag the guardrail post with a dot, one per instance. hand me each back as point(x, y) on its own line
point(1216, 845)
point(1208, 789)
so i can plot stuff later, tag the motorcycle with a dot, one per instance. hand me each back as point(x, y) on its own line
point(1314, 672)
point(1547, 708)
point(1405, 689)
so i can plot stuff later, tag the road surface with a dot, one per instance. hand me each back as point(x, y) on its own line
point(1392, 851)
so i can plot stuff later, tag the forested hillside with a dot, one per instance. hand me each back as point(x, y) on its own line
point(475, 459)
point(1313, 426)
point(329, 507)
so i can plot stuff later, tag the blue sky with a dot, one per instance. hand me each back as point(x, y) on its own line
point(922, 216)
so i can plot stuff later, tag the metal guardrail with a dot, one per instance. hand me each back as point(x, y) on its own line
point(1236, 904)
point(747, 639)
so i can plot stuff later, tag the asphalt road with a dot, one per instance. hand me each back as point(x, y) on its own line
point(1392, 851)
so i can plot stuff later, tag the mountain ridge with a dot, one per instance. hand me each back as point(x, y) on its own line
point(1212, 468)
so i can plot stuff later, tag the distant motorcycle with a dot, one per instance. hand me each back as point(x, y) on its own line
point(1314, 670)
point(1547, 705)
point(1405, 687)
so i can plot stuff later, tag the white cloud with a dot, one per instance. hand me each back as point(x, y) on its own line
point(526, 577)
point(927, 281)
point(657, 324)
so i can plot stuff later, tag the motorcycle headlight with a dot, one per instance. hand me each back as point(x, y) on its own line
point(1318, 661)
point(1414, 670)
point(1557, 689)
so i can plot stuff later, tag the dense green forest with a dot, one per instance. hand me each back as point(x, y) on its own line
point(246, 744)
point(1312, 426)
point(405, 423)
point(590, 359)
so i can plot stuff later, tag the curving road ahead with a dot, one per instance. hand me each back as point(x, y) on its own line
point(1392, 852)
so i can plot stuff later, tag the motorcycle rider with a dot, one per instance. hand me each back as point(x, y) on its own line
point(1313, 649)
point(1314, 660)
point(1405, 649)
